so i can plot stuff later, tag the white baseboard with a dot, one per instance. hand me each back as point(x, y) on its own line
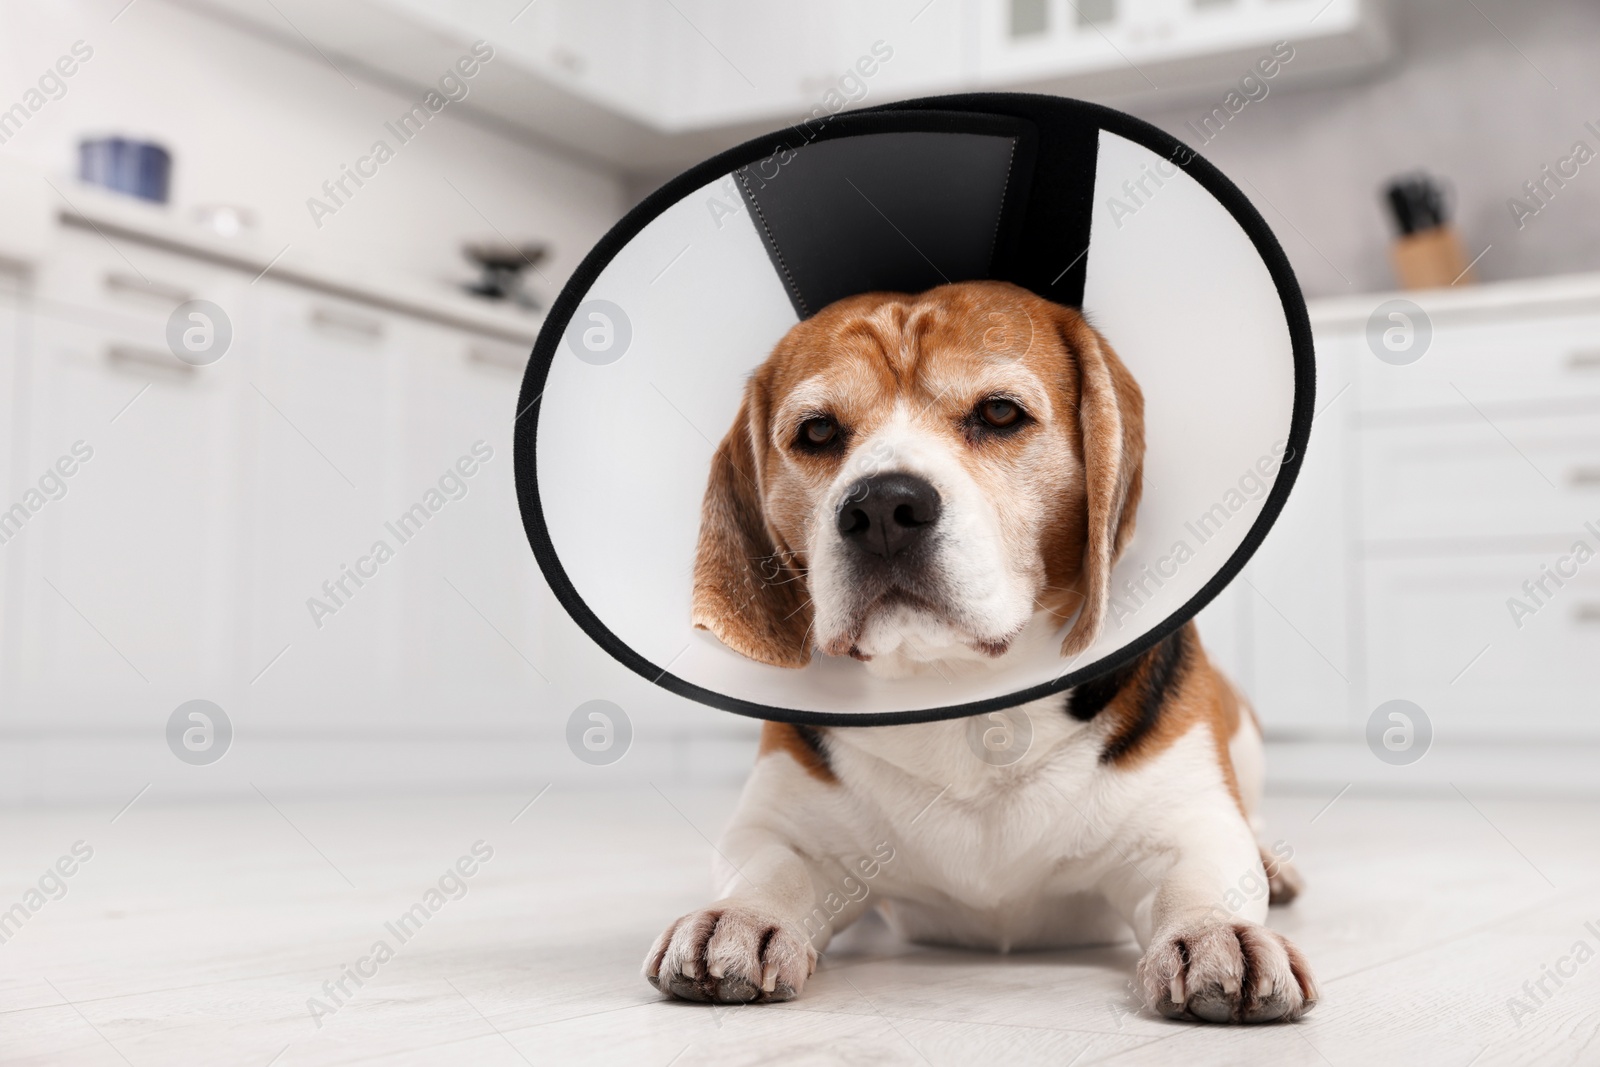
point(55, 768)
point(1535, 768)
point(111, 769)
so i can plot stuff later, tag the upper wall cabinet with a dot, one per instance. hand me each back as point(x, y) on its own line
point(1152, 49)
point(647, 86)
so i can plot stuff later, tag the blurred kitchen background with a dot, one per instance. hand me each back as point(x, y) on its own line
point(373, 311)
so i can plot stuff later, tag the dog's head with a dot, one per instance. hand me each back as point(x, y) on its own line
point(919, 475)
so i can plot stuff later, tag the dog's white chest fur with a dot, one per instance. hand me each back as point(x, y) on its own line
point(1000, 858)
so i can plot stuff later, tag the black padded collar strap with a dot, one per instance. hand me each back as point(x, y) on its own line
point(900, 203)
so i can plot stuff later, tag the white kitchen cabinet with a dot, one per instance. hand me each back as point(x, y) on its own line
point(474, 596)
point(1030, 39)
point(131, 577)
point(217, 500)
point(723, 62)
point(1479, 468)
point(1501, 359)
point(324, 429)
point(933, 45)
point(1441, 633)
point(1432, 491)
point(660, 85)
point(395, 589)
point(1298, 583)
point(699, 64)
point(1462, 478)
point(1104, 48)
point(1291, 607)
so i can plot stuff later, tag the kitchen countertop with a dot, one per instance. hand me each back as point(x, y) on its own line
point(118, 216)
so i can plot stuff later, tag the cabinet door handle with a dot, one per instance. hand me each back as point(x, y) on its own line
point(501, 357)
point(1584, 359)
point(133, 285)
point(347, 322)
point(139, 360)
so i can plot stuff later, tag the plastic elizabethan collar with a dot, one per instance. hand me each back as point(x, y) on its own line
point(665, 319)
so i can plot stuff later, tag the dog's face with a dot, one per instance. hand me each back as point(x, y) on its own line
point(919, 475)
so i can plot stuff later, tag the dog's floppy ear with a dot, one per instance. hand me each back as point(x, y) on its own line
point(1111, 428)
point(749, 590)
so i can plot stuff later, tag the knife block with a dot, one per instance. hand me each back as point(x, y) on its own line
point(1430, 259)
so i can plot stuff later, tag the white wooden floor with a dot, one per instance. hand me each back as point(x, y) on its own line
point(196, 934)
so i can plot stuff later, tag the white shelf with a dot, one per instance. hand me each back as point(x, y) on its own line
point(116, 217)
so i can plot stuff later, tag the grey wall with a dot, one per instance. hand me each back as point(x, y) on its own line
point(1460, 101)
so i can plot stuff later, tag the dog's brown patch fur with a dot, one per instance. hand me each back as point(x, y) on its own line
point(1173, 689)
point(782, 737)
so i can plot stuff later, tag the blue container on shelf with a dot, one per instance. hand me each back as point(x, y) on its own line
point(137, 168)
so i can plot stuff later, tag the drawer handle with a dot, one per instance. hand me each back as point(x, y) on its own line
point(1584, 477)
point(1588, 614)
point(135, 286)
point(1584, 359)
point(133, 357)
point(500, 357)
point(344, 322)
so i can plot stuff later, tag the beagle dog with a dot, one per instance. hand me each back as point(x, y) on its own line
point(926, 483)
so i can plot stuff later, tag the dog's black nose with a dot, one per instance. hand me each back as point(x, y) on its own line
point(887, 513)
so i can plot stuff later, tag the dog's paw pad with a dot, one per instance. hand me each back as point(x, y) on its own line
point(730, 954)
point(1226, 973)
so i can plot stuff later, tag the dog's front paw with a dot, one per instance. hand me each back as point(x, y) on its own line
point(730, 954)
point(1235, 972)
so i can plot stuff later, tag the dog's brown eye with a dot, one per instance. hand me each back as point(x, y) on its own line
point(999, 412)
point(818, 432)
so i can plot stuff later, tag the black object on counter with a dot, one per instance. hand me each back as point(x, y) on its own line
point(502, 264)
point(1417, 202)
